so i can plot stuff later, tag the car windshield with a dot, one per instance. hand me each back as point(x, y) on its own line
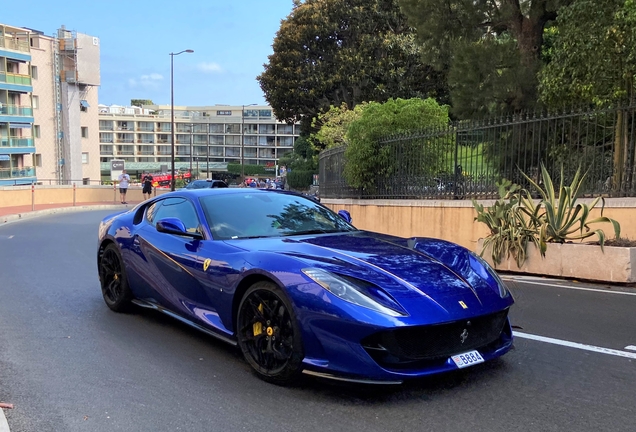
point(268, 214)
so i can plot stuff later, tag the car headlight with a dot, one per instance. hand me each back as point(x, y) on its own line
point(486, 272)
point(366, 297)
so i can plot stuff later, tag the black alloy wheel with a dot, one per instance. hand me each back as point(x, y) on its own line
point(112, 275)
point(268, 334)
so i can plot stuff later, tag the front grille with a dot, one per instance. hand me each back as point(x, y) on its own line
point(414, 344)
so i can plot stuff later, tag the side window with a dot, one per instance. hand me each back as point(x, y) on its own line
point(150, 212)
point(177, 208)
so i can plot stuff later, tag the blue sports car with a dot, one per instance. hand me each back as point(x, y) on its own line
point(300, 290)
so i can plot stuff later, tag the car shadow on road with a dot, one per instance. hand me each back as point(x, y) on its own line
point(414, 389)
point(229, 358)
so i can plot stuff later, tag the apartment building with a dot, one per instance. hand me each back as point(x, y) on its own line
point(206, 138)
point(48, 107)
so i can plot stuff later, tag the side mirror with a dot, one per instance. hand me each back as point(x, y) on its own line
point(345, 215)
point(175, 226)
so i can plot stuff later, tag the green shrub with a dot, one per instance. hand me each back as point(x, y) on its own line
point(563, 218)
point(515, 220)
point(300, 180)
point(512, 226)
point(368, 160)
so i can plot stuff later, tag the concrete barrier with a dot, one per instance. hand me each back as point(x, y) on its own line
point(453, 220)
point(44, 194)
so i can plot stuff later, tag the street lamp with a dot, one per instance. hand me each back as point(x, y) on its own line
point(173, 182)
point(243, 141)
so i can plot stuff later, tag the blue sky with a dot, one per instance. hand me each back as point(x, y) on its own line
point(231, 40)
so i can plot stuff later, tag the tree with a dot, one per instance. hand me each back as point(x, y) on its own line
point(302, 158)
point(332, 126)
point(494, 42)
point(140, 102)
point(368, 159)
point(329, 52)
point(593, 60)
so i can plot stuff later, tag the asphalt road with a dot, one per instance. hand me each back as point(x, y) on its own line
point(70, 364)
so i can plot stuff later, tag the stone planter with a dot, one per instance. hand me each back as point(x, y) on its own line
point(576, 261)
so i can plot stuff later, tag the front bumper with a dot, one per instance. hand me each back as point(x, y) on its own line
point(378, 359)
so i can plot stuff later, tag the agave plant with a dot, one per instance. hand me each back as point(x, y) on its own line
point(562, 219)
point(511, 225)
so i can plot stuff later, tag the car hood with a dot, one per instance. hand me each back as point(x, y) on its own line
point(419, 282)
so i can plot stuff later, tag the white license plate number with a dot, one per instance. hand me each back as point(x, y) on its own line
point(467, 359)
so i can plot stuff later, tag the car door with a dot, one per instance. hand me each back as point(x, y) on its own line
point(172, 261)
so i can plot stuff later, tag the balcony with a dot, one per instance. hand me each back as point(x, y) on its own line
point(16, 173)
point(16, 142)
point(12, 78)
point(15, 44)
point(16, 110)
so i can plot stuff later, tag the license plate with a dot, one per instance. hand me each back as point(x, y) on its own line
point(467, 359)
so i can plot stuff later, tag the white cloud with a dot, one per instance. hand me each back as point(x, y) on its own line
point(146, 81)
point(152, 77)
point(209, 67)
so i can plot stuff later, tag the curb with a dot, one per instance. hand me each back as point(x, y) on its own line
point(32, 214)
point(4, 426)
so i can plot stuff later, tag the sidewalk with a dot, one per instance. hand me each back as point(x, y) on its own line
point(10, 213)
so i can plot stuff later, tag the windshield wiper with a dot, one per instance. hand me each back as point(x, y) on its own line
point(314, 231)
point(250, 237)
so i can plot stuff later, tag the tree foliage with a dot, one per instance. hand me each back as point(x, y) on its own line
point(300, 179)
point(140, 102)
point(303, 158)
point(368, 159)
point(332, 126)
point(491, 50)
point(594, 56)
point(329, 52)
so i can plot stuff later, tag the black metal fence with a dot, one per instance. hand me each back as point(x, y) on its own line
point(467, 159)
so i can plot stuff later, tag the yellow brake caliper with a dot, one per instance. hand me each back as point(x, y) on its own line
point(257, 328)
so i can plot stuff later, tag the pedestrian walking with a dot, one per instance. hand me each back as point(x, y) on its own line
point(124, 181)
point(147, 180)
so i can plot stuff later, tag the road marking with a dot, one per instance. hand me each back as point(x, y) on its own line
point(631, 347)
point(4, 426)
point(569, 287)
point(576, 345)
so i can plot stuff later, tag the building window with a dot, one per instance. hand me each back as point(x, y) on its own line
point(36, 101)
point(36, 131)
point(216, 128)
point(84, 158)
point(84, 106)
point(34, 72)
point(233, 128)
point(105, 125)
point(84, 132)
point(37, 160)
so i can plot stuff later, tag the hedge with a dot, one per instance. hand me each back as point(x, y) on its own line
point(300, 179)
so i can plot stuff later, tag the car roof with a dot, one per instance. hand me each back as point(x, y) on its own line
point(214, 191)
